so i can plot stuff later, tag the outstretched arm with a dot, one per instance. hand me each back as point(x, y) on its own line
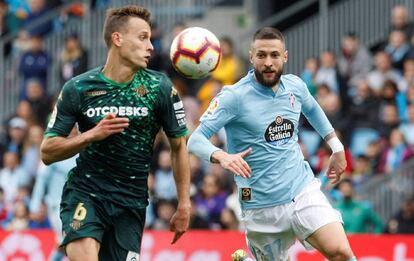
point(337, 161)
point(200, 145)
point(317, 118)
point(60, 148)
point(181, 169)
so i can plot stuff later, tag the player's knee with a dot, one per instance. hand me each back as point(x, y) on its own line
point(84, 249)
point(340, 253)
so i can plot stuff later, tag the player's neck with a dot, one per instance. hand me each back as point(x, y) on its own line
point(275, 87)
point(116, 71)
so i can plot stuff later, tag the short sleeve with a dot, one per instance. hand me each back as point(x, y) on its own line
point(170, 110)
point(64, 115)
point(222, 110)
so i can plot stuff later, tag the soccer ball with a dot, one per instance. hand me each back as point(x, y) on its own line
point(195, 52)
point(240, 255)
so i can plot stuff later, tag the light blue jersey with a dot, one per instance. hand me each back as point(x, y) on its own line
point(256, 117)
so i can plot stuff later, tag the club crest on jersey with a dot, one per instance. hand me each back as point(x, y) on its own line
point(280, 131)
point(292, 100)
point(141, 91)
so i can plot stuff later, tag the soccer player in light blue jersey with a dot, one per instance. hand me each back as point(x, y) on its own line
point(280, 197)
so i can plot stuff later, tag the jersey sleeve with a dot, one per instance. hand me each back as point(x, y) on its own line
point(170, 110)
point(313, 112)
point(64, 115)
point(222, 109)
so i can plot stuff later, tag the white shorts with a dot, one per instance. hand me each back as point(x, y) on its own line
point(271, 231)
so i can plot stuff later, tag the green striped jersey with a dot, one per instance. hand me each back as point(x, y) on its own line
point(117, 167)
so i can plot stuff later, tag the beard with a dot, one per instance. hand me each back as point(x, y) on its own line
point(268, 82)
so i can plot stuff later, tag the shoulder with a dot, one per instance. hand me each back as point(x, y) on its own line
point(293, 83)
point(157, 80)
point(155, 77)
point(292, 80)
point(238, 89)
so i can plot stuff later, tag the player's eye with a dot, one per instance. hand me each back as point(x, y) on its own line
point(261, 55)
point(143, 37)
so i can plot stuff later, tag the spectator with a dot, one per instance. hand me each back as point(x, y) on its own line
point(327, 72)
point(331, 105)
point(5, 26)
point(383, 71)
point(39, 219)
point(164, 178)
point(39, 102)
point(211, 200)
point(3, 209)
point(355, 60)
point(397, 48)
point(207, 93)
point(165, 211)
point(408, 77)
point(229, 69)
point(24, 111)
point(389, 119)
point(21, 44)
point(38, 9)
point(34, 64)
point(73, 58)
point(363, 109)
point(400, 20)
point(19, 11)
point(407, 129)
point(196, 170)
point(362, 171)
point(31, 150)
point(309, 73)
point(403, 221)
point(228, 220)
point(358, 216)
point(17, 135)
point(396, 153)
point(12, 177)
point(20, 219)
point(196, 220)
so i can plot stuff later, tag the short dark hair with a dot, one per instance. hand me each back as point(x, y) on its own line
point(116, 18)
point(267, 33)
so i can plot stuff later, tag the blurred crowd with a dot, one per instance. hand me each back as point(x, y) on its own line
point(367, 94)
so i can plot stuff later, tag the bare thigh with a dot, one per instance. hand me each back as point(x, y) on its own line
point(332, 242)
point(83, 249)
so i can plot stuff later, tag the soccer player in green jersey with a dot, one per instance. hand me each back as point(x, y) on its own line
point(119, 108)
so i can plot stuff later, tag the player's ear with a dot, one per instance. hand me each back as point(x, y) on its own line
point(285, 58)
point(117, 38)
point(251, 56)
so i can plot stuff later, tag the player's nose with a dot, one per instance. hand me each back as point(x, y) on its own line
point(150, 47)
point(268, 62)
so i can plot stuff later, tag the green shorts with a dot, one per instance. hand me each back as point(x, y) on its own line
point(118, 229)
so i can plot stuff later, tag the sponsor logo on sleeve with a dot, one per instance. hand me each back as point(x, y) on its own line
point(95, 93)
point(212, 107)
point(279, 131)
point(174, 91)
point(179, 113)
